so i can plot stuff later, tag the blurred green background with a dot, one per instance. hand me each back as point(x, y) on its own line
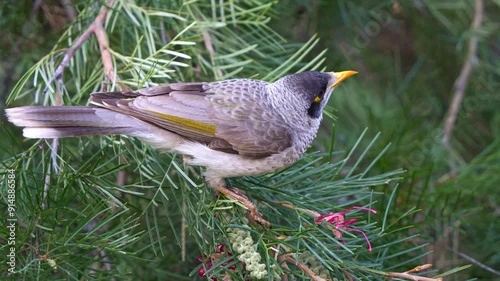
point(409, 55)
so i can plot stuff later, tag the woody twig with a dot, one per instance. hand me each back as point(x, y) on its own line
point(463, 78)
point(409, 276)
point(96, 28)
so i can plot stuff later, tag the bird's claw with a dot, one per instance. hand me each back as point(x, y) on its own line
point(240, 196)
point(257, 217)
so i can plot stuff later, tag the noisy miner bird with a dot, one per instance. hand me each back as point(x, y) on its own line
point(237, 127)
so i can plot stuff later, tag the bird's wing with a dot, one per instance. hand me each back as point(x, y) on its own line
point(231, 116)
point(177, 107)
point(246, 119)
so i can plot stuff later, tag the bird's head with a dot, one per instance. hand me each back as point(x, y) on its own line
point(315, 88)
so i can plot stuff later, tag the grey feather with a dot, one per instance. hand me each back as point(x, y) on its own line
point(245, 122)
point(66, 132)
point(246, 119)
point(151, 108)
point(70, 121)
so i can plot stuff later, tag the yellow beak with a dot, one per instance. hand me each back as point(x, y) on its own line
point(341, 76)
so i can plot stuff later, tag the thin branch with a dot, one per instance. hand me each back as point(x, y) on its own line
point(289, 258)
point(283, 259)
point(54, 147)
point(463, 78)
point(411, 277)
point(121, 179)
point(407, 275)
point(46, 184)
point(163, 34)
point(476, 262)
point(97, 28)
point(183, 230)
point(207, 39)
point(69, 54)
point(290, 206)
point(106, 57)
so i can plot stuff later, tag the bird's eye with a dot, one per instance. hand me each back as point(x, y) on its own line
point(318, 99)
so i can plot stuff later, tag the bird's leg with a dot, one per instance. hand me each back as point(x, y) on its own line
point(240, 196)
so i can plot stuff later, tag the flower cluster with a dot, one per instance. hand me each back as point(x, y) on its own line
point(339, 221)
point(243, 243)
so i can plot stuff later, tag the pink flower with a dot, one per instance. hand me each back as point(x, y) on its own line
point(207, 265)
point(339, 221)
point(214, 258)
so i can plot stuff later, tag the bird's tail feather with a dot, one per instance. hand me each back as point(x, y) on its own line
point(70, 121)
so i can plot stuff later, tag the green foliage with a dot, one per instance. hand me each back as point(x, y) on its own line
point(86, 222)
point(409, 55)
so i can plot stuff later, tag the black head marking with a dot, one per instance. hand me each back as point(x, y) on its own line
point(314, 110)
point(312, 86)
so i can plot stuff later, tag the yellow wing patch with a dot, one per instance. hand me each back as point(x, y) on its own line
point(192, 124)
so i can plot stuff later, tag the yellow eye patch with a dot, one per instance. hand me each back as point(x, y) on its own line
point(317, 99)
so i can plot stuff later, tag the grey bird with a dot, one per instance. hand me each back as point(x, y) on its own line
point(237, 127)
